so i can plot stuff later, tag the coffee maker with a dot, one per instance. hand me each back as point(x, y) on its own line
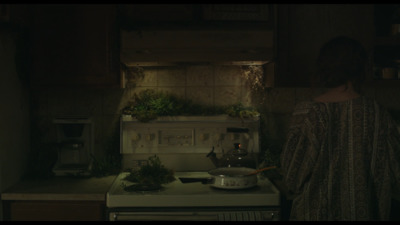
point(75, 140)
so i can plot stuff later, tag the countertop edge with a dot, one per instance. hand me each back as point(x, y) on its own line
point(52, 197)
point(60, 189)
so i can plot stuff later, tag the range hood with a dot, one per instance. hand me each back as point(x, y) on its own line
point(194, 47)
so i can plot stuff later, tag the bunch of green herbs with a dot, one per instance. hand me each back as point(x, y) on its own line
point(154, 173)
point(149, 104)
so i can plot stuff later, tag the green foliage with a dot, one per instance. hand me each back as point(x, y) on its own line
point(239, 110)
point(154, 173)
point(149, 104)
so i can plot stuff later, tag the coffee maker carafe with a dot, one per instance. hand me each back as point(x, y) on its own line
point(75, 146)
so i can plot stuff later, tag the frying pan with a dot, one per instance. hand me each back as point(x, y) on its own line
point(229, 177)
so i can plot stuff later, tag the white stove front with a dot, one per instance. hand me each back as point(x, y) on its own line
point(182, 144)
point(196, 194)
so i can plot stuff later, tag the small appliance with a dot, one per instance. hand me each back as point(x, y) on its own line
point(75, 137)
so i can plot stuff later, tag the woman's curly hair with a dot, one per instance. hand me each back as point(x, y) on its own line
point(340, 60)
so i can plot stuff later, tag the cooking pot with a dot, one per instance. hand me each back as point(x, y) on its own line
point(229, 178)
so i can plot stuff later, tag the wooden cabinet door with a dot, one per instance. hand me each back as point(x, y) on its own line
point(57, 211)
point(74, 45)
point(304, 28)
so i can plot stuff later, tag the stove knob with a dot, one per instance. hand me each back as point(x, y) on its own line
point(218, 137)
point(203, 137)
point(135, 137)
point(149, 137)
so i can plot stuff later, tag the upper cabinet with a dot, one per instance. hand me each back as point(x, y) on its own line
point(386, 57)
point(173, 34)
point(302, 29)
point(169, 47)
point(196, 16)
point(75, 45)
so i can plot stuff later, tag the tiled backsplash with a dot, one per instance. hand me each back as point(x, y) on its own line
point(211, 85)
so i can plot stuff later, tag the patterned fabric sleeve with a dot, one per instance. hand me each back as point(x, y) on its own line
point(301, 149)
point(394, 154)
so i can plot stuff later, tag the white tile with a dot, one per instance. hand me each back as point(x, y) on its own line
point(149, 79)
point(200, 95)
point(228, 75)
point(227, 95)
point(200, 76)
point(171, 76)
point(179, 92)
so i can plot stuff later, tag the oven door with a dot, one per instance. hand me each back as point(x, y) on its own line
point(195, 214)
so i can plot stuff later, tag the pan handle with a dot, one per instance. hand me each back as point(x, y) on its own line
point(263, 169)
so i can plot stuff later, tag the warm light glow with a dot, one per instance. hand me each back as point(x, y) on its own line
point(228, 63)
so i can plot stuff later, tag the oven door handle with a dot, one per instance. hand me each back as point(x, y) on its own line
point(162, 216)
point(267, 215)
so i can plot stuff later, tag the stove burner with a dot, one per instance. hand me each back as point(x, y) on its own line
point(143, 187)
point(244, 190)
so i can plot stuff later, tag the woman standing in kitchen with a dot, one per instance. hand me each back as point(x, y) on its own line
point(342, 154)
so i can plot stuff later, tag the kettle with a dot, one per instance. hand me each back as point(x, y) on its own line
point(236, 157)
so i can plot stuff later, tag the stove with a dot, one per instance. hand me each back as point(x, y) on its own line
point(182, 144)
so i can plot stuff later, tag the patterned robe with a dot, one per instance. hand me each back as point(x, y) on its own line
point(341, 160)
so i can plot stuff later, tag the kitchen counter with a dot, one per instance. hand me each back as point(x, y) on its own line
point(61, 188)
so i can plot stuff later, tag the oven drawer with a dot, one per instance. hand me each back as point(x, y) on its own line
point(196, 216)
